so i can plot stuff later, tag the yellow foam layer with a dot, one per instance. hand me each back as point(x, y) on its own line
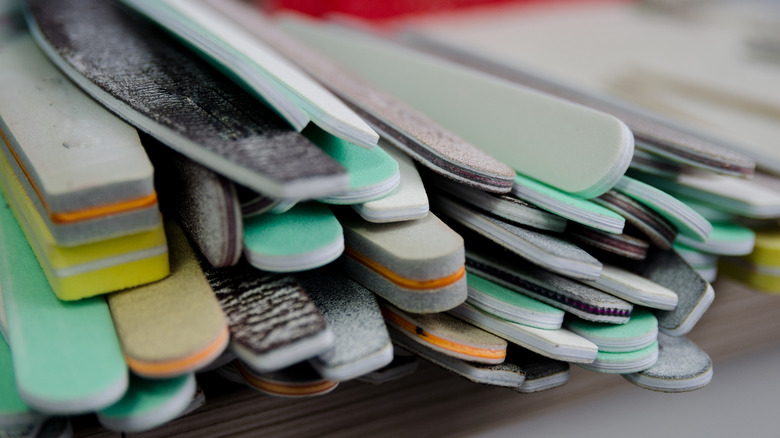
point(766, 251)
point(761, 282)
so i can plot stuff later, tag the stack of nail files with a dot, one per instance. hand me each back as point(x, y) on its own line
point(761, 268)
point(570, 147)
point(296, 381)
point(78, 180)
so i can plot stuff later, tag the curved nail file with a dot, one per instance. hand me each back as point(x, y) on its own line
point(682, 366)
point(623, 245)
point(726, 239)
point(407, 202)
point(568, 295)
point(567, 206)
point(273, 323)
point(174, 326)
point(260, 70)
point(541, 373)
point(66, 355)
point(510, 305)
point(506, 374)
point(634, 288)
point(687, 221)
point(549, 252)
point(306, 237)
point(659, 231)
point(694, 257)
point(559, 344)
point(447, 335)
point(297, 381)
point(14, 412)
point(361, 343)
point(639, 332)
point(400, 367)
point(711, 212)
point(148, 404)
point(180, 100)
point(372, 173)
point(571, 147)
point(416, 265)
point(254, 204)
point(85, 168)
point(624, 363)
point(406, 128)
point(506, 207)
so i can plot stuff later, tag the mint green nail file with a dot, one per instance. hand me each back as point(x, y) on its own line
point(66, 354)
point(567, 206)
point(407, 202)
point(510, 305)
point(624, 363)
point(639, 332)
point(571, 147)
point(306, 237)
point(14, 412)
point(728, 239)
point(259, 69)
point(634, 288)
point(372, 173)
point(149, 403)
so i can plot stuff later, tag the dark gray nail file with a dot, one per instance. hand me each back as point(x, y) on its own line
point(658, 230)
point(619, 244)
point(541, 373)
point(272, 322)
point(140, 73)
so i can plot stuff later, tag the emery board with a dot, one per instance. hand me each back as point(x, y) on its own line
point(697, 259)
point(253, 203)
point(633, 288)
point(273, 323)
point(659, 231)
point(361, 343)
point(682, 366)
point(66, 355)
point(654, 164)
point(305, 237)
point(728, 239)
point(626, 362)
point(623, 245)
point(446, 335)
point(81, 163)
point(570, 147)
point(204, 115)
point(297, 381)
point(403, 365)
point(149, 403)
point(416, 265)
point(547, 251)
point(541, 373)
point(14, 412)
point(416, 134)
point(639, 332)
point(174, 326)
point(408, 201)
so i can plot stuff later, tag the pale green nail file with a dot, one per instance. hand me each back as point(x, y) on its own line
point(567, 206)
point(624, 363)
point(682, 366)
point(510, 305)
point(407, 202)
point(14, 412)
point(402, 365)
point(639, 332)
point(66, 355)
point(372, 173)
point(623, 245)
point(259, 69)
point(634, 288)
point(306, 237)
point(416, 265)
point(541, 373)
point(658, 230)
point(548, 251)
point(728, 239)
point(559, 344)
point(148, 404)
point(711, 212)
point(571, 147)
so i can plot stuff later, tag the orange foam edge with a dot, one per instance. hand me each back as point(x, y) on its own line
point(404, 282)
point(287, 390)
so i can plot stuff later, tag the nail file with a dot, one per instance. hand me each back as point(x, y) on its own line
point(687, 221)
point(659, 231)
point(361, 343)
point(571, 147)
point(654, 164)
point(416, 134)
point(66, 356)
point(559, 344)
point(682, 366)
point(373, 173)
point(14, 412)
point(174, 326)
point(247, 60)
point(623, 245)
point(407, 202)
point(507, 375)
point(254, 204)
point(624, 363)
point(297, 381)
point(550, 252)
point(507, 304)
point(400, 367)
point(273, 323)
point(505, 207)
point(541, 373)
point(306, 237)
point(203, 115)
point(694, 257)
point(639, 332)
point(633, 288)
point(567, 206)
point(711, 212)
point(148, 404)
point(447, 335)
point(84, 168)
point(576, 298)
point(726, 239)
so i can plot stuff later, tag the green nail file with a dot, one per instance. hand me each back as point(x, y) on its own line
point(639, 332)
point(624, 363)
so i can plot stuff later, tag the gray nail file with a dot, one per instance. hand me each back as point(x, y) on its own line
point(541, 373)
point(682, 366)
point(659, 231)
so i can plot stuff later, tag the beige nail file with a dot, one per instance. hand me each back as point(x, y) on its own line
point(634, 288)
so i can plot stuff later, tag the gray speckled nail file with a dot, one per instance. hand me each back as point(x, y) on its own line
point(658, 230)
point(361, 343)
point(547, 251)
point(273, 323)
point(623, 245)
point(541, 373)
point(142, 74)
point(682, 366)
point(507, 375)
point(401, 366)
point(634, 288)
point(297, 381)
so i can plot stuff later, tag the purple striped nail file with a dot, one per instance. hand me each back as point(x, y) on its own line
point(623, 245)
point(659, 231)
